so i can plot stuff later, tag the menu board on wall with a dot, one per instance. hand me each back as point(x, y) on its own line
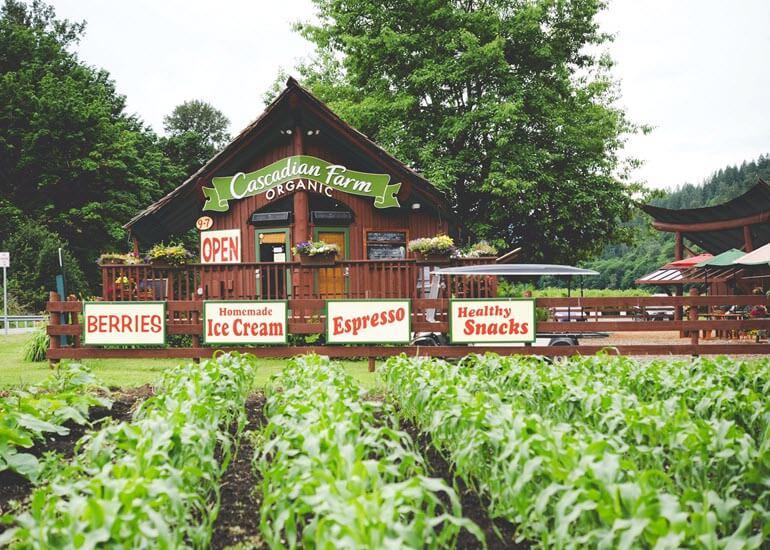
point(389, 236)
point(385, 252)
point(385, 245)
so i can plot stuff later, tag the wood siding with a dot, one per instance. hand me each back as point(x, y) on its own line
point(417, 223)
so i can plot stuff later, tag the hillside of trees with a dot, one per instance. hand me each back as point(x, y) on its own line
point(621, 265)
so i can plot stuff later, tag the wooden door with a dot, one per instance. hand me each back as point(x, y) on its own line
point(274, 280)
point(331, 280)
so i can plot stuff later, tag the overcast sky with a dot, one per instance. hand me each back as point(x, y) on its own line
point(697, 70)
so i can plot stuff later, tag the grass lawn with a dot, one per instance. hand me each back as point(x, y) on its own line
point(14, 371)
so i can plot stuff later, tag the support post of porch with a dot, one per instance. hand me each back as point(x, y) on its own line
point(301, 209)
point(694, 334)
point(748, 242)
point(678, 248)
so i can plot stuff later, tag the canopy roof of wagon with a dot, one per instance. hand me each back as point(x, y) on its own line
point(736, 223)
point(295, 108)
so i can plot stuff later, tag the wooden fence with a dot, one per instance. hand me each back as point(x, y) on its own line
point(696, 317)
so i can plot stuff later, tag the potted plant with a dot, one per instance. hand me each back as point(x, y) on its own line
point(124, 288)
point(434, 250)
point(481, 249)
point(315, 252)
point(168, 255)
point(115, 258)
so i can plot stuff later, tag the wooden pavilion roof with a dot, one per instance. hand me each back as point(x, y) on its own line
point(718, 228)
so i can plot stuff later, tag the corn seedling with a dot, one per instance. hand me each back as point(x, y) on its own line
point(27, 415)
point(603, 451)
point(152, 482)
point(337, 474)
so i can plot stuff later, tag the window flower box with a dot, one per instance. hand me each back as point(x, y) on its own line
point(316, 253)
point(433, 250)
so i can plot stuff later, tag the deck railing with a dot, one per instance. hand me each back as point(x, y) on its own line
point(354, 279)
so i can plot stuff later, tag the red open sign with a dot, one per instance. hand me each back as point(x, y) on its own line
point(221, 247)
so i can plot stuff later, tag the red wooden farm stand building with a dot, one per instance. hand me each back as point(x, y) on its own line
point(371, 227)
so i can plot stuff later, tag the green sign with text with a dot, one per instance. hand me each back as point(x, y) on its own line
point(300, 167)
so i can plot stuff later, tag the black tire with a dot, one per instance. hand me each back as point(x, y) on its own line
point(428, 340)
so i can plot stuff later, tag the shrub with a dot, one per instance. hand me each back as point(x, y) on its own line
point(35, 264)
point(37, 345)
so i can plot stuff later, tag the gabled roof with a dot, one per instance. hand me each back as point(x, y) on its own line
point(702, 225)
point(178, 210)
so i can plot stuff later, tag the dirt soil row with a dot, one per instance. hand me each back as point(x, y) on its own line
point(499, 533)
point(238, 519)
point(15, 488)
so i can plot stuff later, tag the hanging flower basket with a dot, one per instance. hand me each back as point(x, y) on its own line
point(316, 253)
point(162, 255)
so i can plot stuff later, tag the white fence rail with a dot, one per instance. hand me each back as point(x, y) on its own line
point(22, 323)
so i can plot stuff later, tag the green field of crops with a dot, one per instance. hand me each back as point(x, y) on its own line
point(593, 452)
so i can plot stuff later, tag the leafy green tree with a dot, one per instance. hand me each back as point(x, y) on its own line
point(196, 130)
point(201, 118)
point(501, 103)
point(71, 159)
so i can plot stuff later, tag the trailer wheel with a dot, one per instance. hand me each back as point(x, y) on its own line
point(425, 340)
point(563, 341)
